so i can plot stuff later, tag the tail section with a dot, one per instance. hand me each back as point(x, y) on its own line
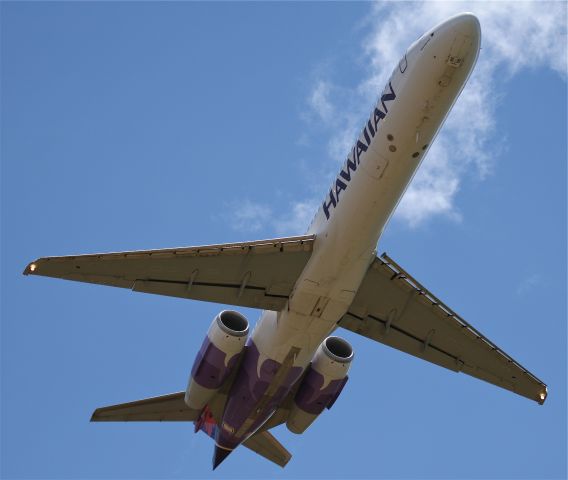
point(173, 408)
point(219, 455)
point(206, 423)
point(167, 408)
point(262, 443)
point(266, 445)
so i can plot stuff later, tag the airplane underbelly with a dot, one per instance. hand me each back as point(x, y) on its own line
point(359, 204)
point(279, 350)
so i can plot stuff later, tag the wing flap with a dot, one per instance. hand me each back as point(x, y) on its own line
point(249, 296)
point(374, 328)
point(393, 308)
point(166, 408)
point(258, 274)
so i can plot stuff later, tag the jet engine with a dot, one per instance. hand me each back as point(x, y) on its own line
point(322, 384)
point(216, 358)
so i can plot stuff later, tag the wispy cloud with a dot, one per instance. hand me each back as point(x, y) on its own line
point(538, 31)
point(319, 101)
point(326, 104)
point(296, 222)
point(250, 216)
point(253, 217)
point(528, 284)
point(432, 191)
point(515, 36)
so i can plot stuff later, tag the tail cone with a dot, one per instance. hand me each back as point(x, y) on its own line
point(219, 455)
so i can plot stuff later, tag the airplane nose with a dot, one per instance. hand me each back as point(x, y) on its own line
point(464, 24)
point(468, 24)
point(457, 40)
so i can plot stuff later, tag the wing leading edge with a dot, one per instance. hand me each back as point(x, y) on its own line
point(258, 274)
point(392, 308)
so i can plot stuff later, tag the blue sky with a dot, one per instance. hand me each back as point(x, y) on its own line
point(148, 125)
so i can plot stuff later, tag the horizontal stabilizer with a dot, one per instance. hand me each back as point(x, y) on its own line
point(268, 447)
point(167, 408)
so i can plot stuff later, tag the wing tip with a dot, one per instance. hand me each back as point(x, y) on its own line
point(31, 268)
point(286, 459)
point(542, 396)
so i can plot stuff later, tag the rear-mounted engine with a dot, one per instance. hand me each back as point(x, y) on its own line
point(216, 358)
point(322, 384)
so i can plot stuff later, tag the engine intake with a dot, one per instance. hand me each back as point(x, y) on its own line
point(233, 323)
point(338, 349)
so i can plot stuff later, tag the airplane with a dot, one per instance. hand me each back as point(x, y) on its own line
point(291, 368)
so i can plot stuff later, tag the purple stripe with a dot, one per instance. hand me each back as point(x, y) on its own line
point(209, 368)
point(312, 398)
point(246, 393)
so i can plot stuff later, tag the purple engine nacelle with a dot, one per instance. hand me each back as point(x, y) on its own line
point(322, 384)
point(216, 358)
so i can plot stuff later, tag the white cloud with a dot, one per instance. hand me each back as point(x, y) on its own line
point(432, 190)
point(297, 221)
point(515, 36)
point(528, 284)
point(255, 217)
point(250, 216)
point(344, 123)
point(319, 101)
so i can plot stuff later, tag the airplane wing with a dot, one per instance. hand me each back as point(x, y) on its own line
point(267, 446)
point(392, 308)
point(259, 274)
point(166, 408)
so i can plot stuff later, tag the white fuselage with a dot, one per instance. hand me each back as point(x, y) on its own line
point(349, 223)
